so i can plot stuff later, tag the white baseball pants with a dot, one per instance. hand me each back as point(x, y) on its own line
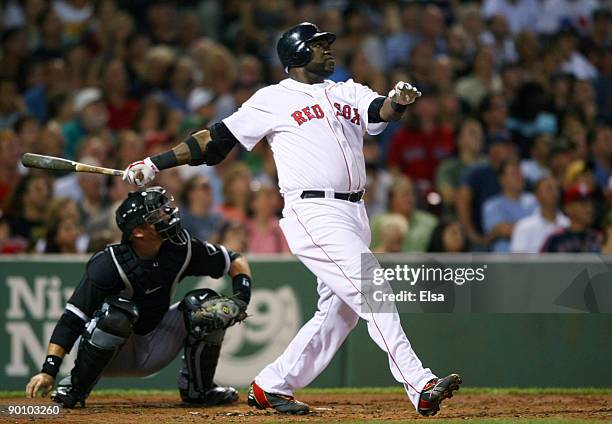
point(329, 236)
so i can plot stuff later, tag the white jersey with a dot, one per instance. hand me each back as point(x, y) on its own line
point(315, 132)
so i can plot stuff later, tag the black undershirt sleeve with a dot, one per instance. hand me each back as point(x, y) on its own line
point(215, 260)
point(67, 330)
point(99, 281)
point(374, 110)
point(208, 259)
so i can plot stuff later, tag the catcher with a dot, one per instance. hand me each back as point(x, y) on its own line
point(121, 308)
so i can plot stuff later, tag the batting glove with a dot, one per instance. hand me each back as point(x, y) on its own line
point(141, 172)
point(404, 93)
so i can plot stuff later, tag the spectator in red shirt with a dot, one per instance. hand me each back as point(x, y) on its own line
point(121, 108)
point(580, 236)
point(264, 234)
point(236, 193)
point(9, 156)
point(418, 148)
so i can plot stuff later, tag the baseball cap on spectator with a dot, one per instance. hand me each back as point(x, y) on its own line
point(85, 97)
point(567, 29)
point(577, 192)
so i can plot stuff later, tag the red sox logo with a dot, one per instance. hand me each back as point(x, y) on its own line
point(308, 113)
point(316, 112)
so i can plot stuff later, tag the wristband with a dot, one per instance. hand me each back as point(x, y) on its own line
point(397, 107)
point(52, 365)
point(241, 285)
point(165, 160)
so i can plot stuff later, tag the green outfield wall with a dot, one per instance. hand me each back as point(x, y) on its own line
point(569, 346)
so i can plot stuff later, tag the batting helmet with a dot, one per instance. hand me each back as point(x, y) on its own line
point(151, 206)
point(293, 49)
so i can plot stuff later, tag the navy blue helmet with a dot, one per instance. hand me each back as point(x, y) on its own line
point(293, 49)
point(151, 206)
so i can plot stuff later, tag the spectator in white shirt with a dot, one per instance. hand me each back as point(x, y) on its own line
point(521, 14)
point(555, 12)
point(499, 37)
point(572, 61)
point(531, 232)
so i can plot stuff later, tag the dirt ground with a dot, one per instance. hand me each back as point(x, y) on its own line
point(330, 408)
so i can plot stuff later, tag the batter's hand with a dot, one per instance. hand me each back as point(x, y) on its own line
point(141, 172)
point(41, 381)
point(404, 93)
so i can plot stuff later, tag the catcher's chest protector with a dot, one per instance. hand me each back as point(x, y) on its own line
point(150, 283)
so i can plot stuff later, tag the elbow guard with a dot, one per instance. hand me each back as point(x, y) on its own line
point(222, 141)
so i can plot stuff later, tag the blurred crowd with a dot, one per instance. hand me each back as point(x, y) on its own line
point(508, 150)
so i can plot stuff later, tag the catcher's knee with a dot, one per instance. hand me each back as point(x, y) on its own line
point(114, 323)
point(197, 328)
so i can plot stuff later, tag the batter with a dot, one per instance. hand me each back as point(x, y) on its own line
point(315, 128)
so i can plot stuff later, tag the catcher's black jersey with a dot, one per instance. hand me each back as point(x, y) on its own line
point(149, 283)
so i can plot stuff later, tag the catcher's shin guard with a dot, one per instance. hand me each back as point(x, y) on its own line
point(201, 355)
point(104, 336)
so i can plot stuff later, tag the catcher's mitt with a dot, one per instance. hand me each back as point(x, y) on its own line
point(220, 312)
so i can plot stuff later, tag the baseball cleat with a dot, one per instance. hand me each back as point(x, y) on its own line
point(66, 396)
point(282, 403)
point(217, 395)
point(435, 391)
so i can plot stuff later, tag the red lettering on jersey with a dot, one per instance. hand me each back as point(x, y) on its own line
point(306, 111)
point(346, 112)
point(356, 118)
point(318, 111)
point(337, 106)
point(297, 115)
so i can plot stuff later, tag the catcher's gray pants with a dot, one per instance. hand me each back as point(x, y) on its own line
point(143, 355)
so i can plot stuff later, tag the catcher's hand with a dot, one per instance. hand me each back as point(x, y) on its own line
point(403, 93)
point(220, 313)
point(41, 381)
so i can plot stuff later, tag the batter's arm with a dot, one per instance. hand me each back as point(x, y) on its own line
point(383, 109)
point(391, 108)
point(391, 111)
point(203, 147)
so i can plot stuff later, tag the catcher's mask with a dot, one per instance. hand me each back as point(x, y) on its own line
point(151, 206)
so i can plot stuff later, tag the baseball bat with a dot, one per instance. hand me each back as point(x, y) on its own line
point(32, 160)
